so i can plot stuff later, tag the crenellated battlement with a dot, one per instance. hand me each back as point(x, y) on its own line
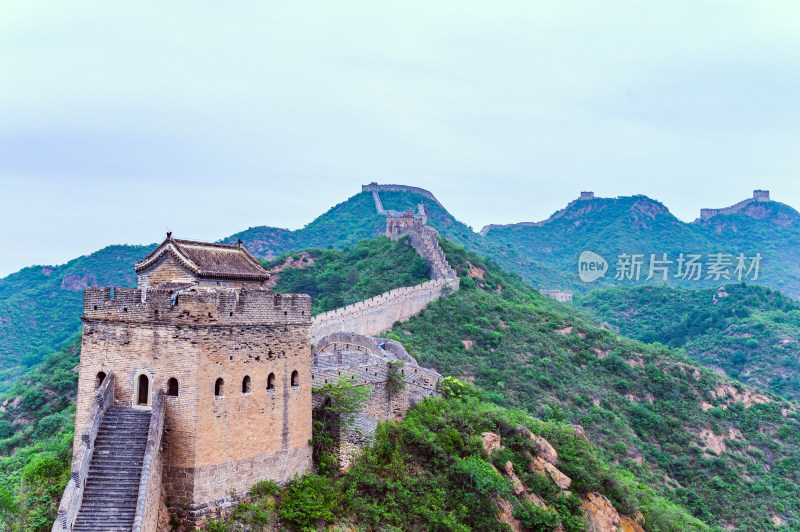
point(196, 306)
point(377, 314)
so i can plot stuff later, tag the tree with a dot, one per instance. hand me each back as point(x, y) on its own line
point(339, 401)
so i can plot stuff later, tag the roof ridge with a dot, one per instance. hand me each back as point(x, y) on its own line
point(211, 244)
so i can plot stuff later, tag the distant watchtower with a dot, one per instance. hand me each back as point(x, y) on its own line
point(232, 358)
point(761, 195)
point(399, 224)
point(586, 195)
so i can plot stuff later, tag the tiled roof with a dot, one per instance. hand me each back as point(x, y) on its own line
point(208, 261)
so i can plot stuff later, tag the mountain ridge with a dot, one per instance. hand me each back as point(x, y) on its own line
point(33, 299)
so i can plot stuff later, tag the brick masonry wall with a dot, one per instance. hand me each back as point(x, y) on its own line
point(209, 334)
point(148, 503)
point(218, 487)
point(378, 314)
point(357, 360)
point(167, 270)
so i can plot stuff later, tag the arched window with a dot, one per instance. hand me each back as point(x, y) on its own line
point(295, 378)
point(218, 387)
point(172, 387)
point(271, 381)
point(246, 384)
point(143, 392)
point(98, 381)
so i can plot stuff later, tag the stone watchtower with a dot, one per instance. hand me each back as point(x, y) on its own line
point(232, 359)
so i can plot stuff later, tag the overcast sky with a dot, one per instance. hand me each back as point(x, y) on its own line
point(120, 121)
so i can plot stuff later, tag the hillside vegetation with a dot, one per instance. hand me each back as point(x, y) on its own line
point(338, 277)
point(728, 455)
point(342, 225)
point(37, 418)
point(722, 452)
point(640, 225)
point(432, 471)
point(750, 332)
point(40, 306)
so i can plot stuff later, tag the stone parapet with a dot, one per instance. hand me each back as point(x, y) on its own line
point(82, 457)
point(370, 362)
point(147, 504)
point(196, 306)
point(378, 314)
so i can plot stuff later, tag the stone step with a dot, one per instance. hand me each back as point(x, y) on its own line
point(122, 502)
point(99, 466)
point(105, 442)
point(106, 449)
point(126, 486)
point(106, 526)
point(124, 523)
point(112, 486)
point(106, 523)
point(119, 459)
point(115, 474)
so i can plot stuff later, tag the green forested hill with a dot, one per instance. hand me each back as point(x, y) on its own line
point(727, 454)
point(640, 225)
point(34, 300)
point(748, 331)
point(431, 471)
point(41, 306)
point(344, 224)
point(356, 218)
point(546, 255)
point(336, 278)
point(717, 449)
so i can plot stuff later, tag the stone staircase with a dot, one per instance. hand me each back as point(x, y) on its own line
point(431, 250)
point(112, 487)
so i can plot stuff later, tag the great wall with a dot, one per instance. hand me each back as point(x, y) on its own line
point(585, 196)
point(379, 313)
point(367, 361)
point(176, 373)
point(759, 196)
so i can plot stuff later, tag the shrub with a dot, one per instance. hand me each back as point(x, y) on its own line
point(535, 518)
point(308, 503)
point(49, 425)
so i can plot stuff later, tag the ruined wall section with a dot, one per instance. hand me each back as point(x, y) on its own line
point(367, 360)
